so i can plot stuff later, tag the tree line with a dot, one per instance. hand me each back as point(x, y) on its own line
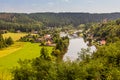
point(36, 21)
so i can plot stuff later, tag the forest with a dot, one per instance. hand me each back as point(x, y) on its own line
point(35, 21)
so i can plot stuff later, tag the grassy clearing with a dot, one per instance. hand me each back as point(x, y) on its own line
point(5, 51)
point(14, 36)
point(11, 55)
point(25, 51)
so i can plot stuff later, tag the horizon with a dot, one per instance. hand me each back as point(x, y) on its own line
point(59, 6)
point(58, 12)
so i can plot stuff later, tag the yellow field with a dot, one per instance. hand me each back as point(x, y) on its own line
point(14, 36)
point(10, 56)
point(5, 75)
point(16, 46)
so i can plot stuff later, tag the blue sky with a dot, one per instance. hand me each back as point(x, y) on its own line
point(32, 6)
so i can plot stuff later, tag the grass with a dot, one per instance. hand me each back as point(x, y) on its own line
point(10, 56)
point(14, 36)
point(5, 51)
point(25, 50)
point(5, 75)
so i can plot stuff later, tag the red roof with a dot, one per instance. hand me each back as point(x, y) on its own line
point(103, 42)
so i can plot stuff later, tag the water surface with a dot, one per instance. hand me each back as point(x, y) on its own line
point(75, 46)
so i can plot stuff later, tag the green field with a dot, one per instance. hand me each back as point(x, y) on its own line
point(10, 56)
point(25, 50)
point(19, 50)
point(16, 46)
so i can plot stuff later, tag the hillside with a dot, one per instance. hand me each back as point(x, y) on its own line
point(23, 21)
point(56, 19)
point(106, 32)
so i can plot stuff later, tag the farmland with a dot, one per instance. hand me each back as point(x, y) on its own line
point(14, 36)
point(10, 56)
point(20, 50)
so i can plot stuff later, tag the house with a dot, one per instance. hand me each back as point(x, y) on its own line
point(105, 20)
point(102, 42)
point(34, 31)
point(48, 43)
point(47, 37)
point(18, 31)
point(39, 40)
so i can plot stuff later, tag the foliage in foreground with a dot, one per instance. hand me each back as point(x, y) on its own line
point(102, 65)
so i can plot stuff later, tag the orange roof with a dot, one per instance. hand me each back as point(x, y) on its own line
point(103, 42)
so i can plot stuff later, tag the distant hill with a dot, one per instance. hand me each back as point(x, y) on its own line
point(55, 19)
point(37, 20)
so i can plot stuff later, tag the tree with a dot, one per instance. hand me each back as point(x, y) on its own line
point(56, 52)
point(9, 41)
point(118, 22)
point(44, 54)
point(84, 55)
point(2, 42)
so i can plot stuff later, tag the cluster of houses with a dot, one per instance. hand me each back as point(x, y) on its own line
point(99, 42)
point(47, 39)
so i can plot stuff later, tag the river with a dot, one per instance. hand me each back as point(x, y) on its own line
point(75, 46)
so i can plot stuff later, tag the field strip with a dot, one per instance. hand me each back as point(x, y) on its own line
point(11, 49)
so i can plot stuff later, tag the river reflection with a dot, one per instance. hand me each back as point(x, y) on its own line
point(75, 46)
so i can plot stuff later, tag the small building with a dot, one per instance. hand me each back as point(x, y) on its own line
point(34, 31)
point(48, 43)
point(39, 40)
point(102, 42)
point(47, 37)
point(18, 31)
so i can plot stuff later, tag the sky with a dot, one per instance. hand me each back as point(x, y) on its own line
point(32, 6)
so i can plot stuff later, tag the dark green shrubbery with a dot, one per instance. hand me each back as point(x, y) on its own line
point(5, 42)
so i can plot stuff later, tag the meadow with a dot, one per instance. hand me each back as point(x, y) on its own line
point(10, 56)
point(20, 50)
